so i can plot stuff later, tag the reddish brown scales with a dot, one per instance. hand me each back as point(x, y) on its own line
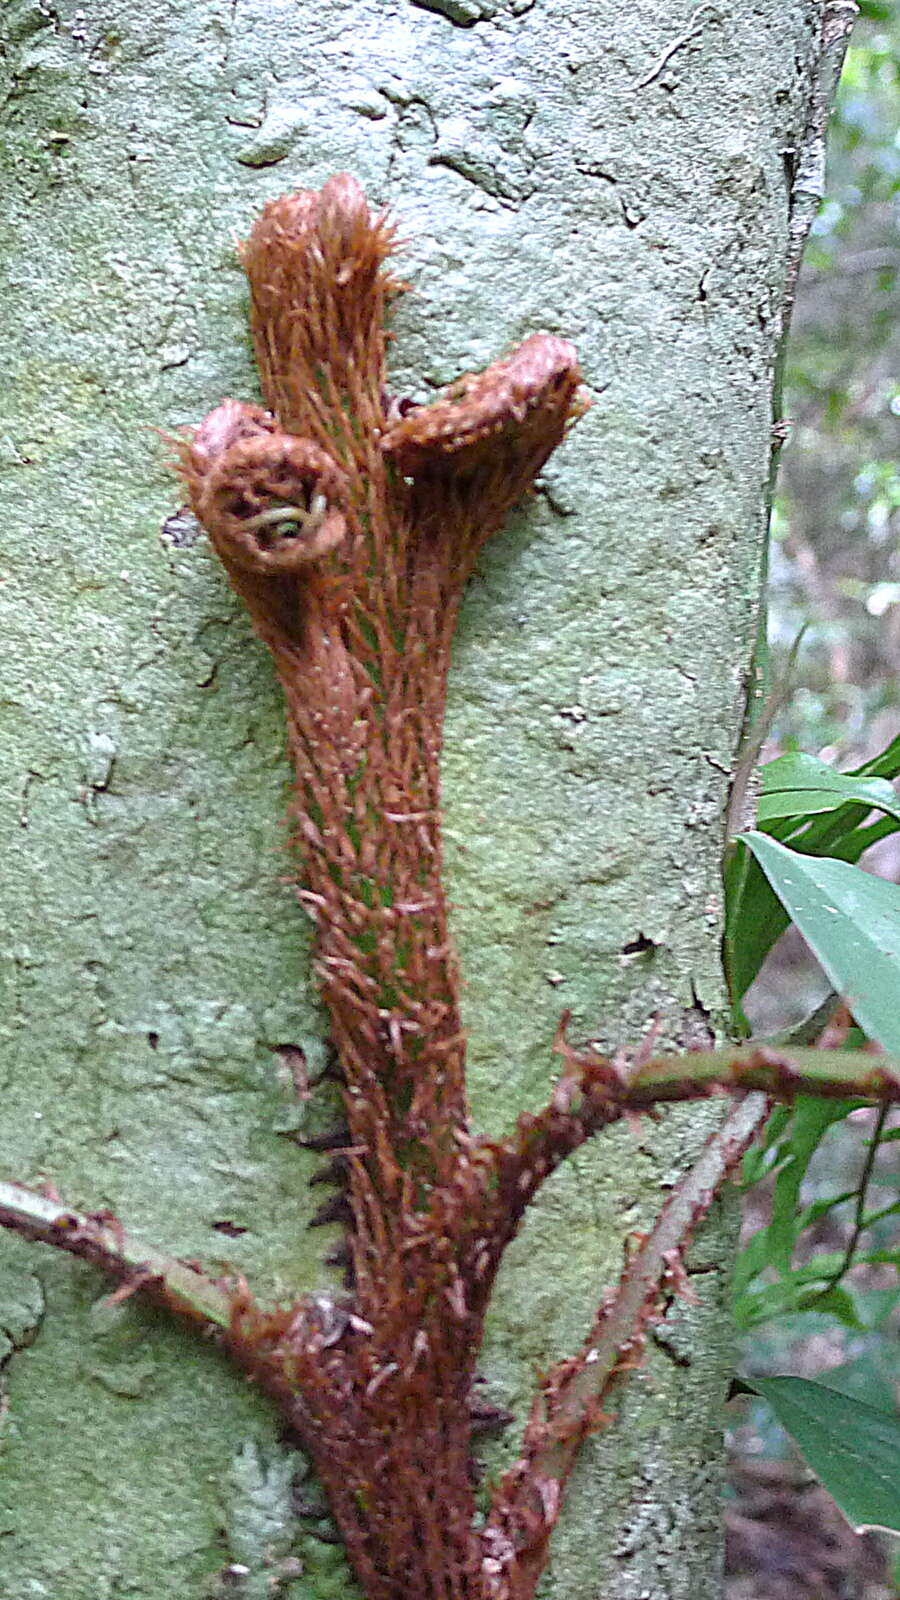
point(353, 576)
point(539, 380)
point(270, 502)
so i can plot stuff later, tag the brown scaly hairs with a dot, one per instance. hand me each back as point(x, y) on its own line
point(349, 523)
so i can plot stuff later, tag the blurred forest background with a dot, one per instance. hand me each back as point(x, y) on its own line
point(835, 572)
point(835, 557)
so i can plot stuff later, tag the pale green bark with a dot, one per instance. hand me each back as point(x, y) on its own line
point(547, 177)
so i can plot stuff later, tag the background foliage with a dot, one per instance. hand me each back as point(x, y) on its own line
point(817, 1287)
point(836, 565)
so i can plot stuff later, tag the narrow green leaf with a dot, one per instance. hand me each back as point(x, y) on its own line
point(836, 1302)
point(818, 1269)
point(762, 1157)
point(800, 785)
point(811, 1119)
point(803, 1289)
point(790, 1296)
point(851, 921)
point(820, 1208)
point(751, 1261)
point(852, 1447)
point(761, 1305)
point(871, 1217)
point(885, 765)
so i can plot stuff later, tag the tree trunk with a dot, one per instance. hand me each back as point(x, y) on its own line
point(622, 181)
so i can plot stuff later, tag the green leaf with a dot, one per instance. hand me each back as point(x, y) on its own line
point(806, 1288)
point(819, 1268)
point(820, 1208)
point(799, 1291)
point(824, 835)
point(761, 1305)
point(801, 785)
point(892, 1257)
point(754, 917)
point(762, 1157)
point(871, 1217)
point(852, 1447)
point(885, 765)
point(851, 921)
point(835, 1302)
point(874, 1307)
point(811, 1119)
point(792, 1137)
point(751, 1261)
point(869, 1377)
